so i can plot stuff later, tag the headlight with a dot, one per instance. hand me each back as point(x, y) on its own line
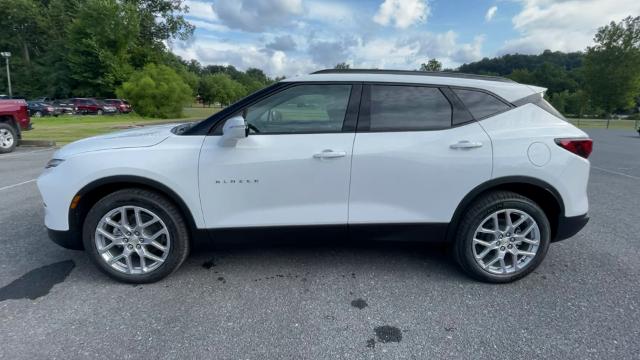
point(53, 163)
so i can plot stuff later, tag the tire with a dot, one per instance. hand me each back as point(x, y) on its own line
point(100, 112)
point(8, 138)
point(38, 114)
point(486, 244)
point(130, 269)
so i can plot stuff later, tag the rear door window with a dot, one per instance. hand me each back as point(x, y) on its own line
point(408, 108)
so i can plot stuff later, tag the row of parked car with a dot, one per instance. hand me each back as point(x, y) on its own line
point(78, 106)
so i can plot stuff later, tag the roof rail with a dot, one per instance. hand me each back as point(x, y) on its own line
point(451, 74)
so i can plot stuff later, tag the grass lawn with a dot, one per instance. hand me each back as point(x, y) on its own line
point(69, 128)
point(602, 123)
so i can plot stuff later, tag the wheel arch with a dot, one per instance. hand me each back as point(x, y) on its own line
point(97, 189)
point(8, 119)
point(541, 192)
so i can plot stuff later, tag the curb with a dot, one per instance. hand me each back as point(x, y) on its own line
point(47, 143)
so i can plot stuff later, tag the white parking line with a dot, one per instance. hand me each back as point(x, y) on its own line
point(616, 173)
point(18, 154)
point(18, 184)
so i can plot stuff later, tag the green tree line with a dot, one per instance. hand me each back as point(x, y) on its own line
point(602, 80)
point(107, 48)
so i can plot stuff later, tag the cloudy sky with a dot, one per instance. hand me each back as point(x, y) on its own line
point(289, 37)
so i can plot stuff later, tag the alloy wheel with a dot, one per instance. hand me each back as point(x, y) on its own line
point(6, 139)
point(132, 240)
point(506, 241)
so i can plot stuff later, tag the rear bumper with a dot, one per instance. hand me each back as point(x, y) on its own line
point(569, 226)
point(66, 239)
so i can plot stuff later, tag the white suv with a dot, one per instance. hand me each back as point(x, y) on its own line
point(483, 163)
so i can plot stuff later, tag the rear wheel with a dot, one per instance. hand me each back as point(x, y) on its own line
point(136, 236)
point(8, 140)
point(502, 237)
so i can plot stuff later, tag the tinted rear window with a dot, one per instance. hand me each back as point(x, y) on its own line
point(408, 108)
point(480, 104)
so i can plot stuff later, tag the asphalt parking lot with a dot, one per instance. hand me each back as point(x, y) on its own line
point(328, 301)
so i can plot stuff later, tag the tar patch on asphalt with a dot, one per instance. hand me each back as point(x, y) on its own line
point(387, 334)
point(37, 282)
point(359, 303)
point(208, 264)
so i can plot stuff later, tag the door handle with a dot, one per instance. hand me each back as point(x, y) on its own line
point(465, 144)
point(329, 154)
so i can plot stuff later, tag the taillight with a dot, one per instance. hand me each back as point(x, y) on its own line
point(581, 147)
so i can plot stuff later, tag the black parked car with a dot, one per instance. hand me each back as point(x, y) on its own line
point(39, 109)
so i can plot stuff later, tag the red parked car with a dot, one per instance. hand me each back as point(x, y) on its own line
point(86, 106)
point(14, 118)
point(123, 106)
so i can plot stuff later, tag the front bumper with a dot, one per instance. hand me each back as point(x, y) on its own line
point(66, 239)
point(569, 226)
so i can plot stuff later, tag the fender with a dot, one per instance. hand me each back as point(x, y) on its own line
point(500, 183)
point(91, 192)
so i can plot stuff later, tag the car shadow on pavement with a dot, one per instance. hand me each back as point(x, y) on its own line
point(291, 254)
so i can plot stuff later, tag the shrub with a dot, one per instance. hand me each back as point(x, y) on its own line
point(156, 91)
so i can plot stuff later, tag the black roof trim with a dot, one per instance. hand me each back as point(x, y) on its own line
point(451, 74)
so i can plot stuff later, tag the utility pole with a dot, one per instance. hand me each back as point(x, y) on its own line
point(6, 56)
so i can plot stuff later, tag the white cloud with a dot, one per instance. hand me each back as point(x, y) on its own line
point(328, 11)
point(385, 54)
point(243, 56)
point(211, 26)
point(291, 37)
point(257, 15)
point(566, 25)
point(468, 52)
point(201, 10)
point(282, 43)
point(402, 13)
point(490, 13)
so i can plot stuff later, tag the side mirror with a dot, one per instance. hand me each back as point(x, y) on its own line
point(233, 130)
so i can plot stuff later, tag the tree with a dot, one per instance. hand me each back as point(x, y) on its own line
point(554, 78)
point(162, 20)
point(342, 65)
point(24, 35)
point(577, 103)
point(156, 91)
point(220, 88)
point(99, 44)
point(431, 65)
point(612, 65)
point(522, 76)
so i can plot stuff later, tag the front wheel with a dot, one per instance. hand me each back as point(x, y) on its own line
point(136, 236)
point(502, 237)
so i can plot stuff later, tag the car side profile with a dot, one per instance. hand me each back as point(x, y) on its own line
point(85, 106)
point(40, 109)
point(122, 106)
point(482, 163)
